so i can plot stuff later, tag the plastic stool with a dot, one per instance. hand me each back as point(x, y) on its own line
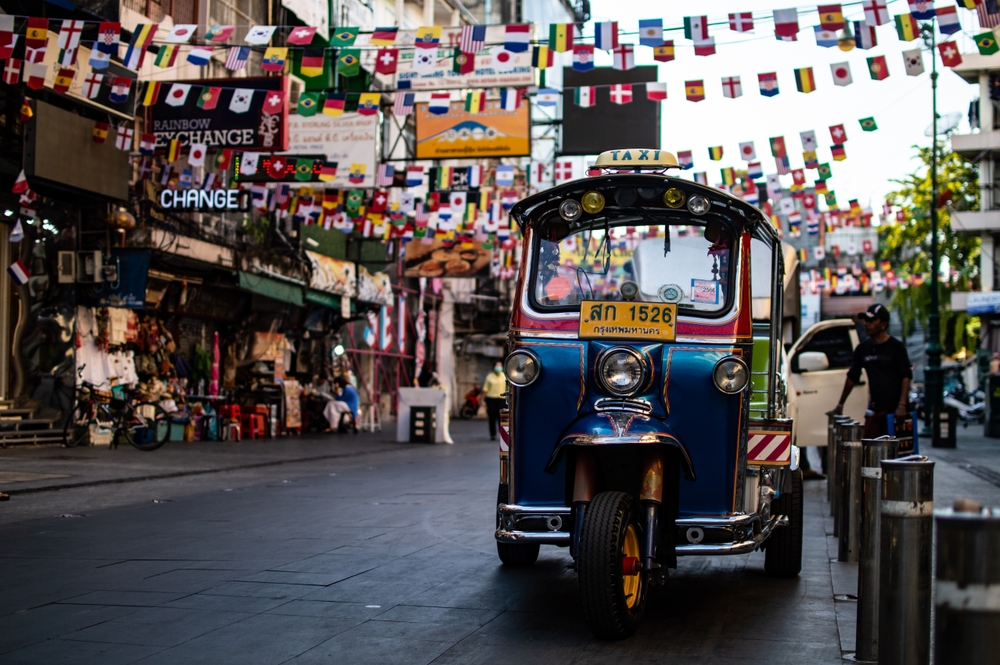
point(230, 411)
point(264, 411)
point(253, 425)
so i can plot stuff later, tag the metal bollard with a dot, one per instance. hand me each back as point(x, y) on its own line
point(967, 594)
point(905, 541)
point(848, 431)
point(831, 465)
point(873, 451)
point(848, 546)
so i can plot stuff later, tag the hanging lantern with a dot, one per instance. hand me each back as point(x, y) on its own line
point(122, 218)
point(845, 39)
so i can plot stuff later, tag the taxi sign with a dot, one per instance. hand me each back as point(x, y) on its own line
point(627, 320)
point(637, 158)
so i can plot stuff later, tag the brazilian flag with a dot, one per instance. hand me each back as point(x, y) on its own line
point(868, 124)
point(349, 62)
point(304, 170)
point(308, 104)
point(344, 37)
point(831, 199)
point(823, 172)
point(353, 204)
point(987, 43)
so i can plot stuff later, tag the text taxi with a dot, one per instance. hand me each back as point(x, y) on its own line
point(645, 412)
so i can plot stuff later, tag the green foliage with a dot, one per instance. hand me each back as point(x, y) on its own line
point(907, 246)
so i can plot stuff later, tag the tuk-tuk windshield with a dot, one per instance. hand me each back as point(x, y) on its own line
point(685, 264)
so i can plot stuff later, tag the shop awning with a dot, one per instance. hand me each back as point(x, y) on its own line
point(323, 298)
point(272, 288)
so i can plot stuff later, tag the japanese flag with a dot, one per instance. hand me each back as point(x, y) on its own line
point(197, 155)
point(841, 72)
point(819, 252)
point(178, 94)
point(747, 151)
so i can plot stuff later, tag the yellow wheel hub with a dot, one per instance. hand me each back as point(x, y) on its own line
point(631, 584)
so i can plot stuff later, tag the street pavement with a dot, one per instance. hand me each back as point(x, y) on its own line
point(356, 549)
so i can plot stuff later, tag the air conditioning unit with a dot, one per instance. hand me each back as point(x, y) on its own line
point(67, 267)
point(88, 267)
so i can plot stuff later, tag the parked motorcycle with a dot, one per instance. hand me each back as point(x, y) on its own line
point(473, 400)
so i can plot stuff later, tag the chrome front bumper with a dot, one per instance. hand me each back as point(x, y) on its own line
point(748, 531)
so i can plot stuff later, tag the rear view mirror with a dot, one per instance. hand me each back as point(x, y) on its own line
point(813, 361)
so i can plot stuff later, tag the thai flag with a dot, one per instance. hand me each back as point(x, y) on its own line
point(19, 272)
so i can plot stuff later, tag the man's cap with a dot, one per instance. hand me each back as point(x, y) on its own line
point(876, 312)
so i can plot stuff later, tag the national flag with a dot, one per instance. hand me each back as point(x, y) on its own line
point(260, 35)
point(24, 115)
point(402, 105)
point(583, 57)
point(755, 171)
point(838, 134)
point(621, 93)
point(786, 22)
point(741, 22)
point(705, 47)
point(92, 85)
point(517, 37)
point(541, 57)
point(731, 87)
point(701, 178)
point(34, 75)
point(464, 63)
point(989, 14)
point(878, 68)
point(223, 158)
point(349, 62)
point(606, 35)
point(563, 171)
point(356, 174)
point(35, 37)
point(768, 84)
point(327, 173)
point(209, 97)
point(715, 153)
point(20, 183)
point(825, 38)
point(274, 58)
point(200, 56)
point(876, 12)
point(922, 10)
point(547, 97)
point(16, 233)
point(696, 28)
point(821, 187)
point(473, 38)
point(747, 151)
point(656, 91)
point(312, 63)
point(778, 148)
point(142, 37)
point(384, 36)
point(147, 144)
point(308, 104)
point(301, 36)
point(841, 72)
point(510, 99)
point(838, 152)
point(914, 62)
point(219, 33)
point(987, 43)
point(804, 80)
point(504, 175)
point(728, 176)
point(386, 60)
point(100, 133)
point(19, 272)
point(824, 172)
point(428, 37)
point(907, 28)
point(475, 101)
point(810, 159)
point(12, 71)
point(560, 36)
point(415, 176)
point(831, 17)
point(167, 55)
point(694, 91)
point(664, 52)
point(241, 100)
point(64, 78)
point(868, 124)
point(237, 57)
point(69, 42)
point(106, 44)
point(685, 159)
point(178, 94)
point(947, 20)
point(949, 54)
point(368, 103)
point(585, 96)
point(864, 36)
point(440, 103)
point(782, 166)
point(624, 57)
point(304, 169)
point(173, 150)
point(385, 176)
point(196, 155)
point(123, 138)
point(650, 32)
point(502, 59)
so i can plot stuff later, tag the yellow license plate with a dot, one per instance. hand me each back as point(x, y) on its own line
point(627, 320)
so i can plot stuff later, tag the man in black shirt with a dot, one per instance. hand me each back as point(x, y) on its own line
point(887, 365)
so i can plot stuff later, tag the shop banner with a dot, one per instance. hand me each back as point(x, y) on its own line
point(438, 259)
point(459, 134)
point(374, 287)
point(133, 273)
point(237, 120)
point(332, 275)
point(348, 140)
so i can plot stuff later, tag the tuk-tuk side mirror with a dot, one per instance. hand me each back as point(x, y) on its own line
point(813, 361)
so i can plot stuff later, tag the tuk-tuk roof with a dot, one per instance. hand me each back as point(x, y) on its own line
point(529, 209)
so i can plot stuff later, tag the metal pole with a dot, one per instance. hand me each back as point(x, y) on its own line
point(777, 301)
point(873, 451)
point(831, 466)
point(905, 542)
point(967, 594)
point(849, 431)
point(933, 379)
point(850, 496)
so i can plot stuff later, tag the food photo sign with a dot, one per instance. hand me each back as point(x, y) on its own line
point(441, 258)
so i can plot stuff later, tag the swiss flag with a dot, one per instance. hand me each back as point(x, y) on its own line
point(808, 201)
point(799, 177)
point(866, 246)
point(379, 202)
point(274, 102)
point(949, 54)
point(386, 61)
point(277, 168)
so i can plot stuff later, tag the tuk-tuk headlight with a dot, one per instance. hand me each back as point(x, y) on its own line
point(593, 202)
point(621, 371)
point(698, 205)
point(674, 198)
point(570, 210)
point(521, 368)
point(731, 375)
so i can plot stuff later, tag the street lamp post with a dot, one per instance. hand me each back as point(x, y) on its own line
point(932, 374)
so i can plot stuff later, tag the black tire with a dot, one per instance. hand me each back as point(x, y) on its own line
point(514, 555)
point(783, 551)
point(76, 429)
point(147, 426)
point(467, 412)
point(602, 583)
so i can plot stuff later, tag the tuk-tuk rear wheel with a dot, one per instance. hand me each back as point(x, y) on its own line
point(514, 554)
point(613, 600)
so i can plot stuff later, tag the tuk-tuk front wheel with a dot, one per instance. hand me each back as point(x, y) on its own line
point(514, 554)
point(613, 587)
point(783, 550)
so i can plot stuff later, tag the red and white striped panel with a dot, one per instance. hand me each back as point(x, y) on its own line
point(504, 433)
point(769, 447)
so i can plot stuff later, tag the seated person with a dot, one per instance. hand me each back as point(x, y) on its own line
point(345, 402)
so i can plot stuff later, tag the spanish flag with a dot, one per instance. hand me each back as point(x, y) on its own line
point(907, 28)
point(174, 150)
point(100, 132)
point(804, 80)
point(715, 153)
point(63, 80)
point(694, 90)
point(561, 37)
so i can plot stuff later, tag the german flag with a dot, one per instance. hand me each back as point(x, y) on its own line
point(804, 80)
point(906, 27)
point(839, 154)
point(561, 37)
point(715, 153)
point(312, 62)
point(327, 173)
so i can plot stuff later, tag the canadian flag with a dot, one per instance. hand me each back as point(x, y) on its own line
point(564, 171)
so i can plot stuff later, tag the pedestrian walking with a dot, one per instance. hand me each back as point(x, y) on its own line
point(887, 365)
point(494, 387)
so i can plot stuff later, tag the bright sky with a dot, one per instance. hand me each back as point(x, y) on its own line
point(900, 104)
